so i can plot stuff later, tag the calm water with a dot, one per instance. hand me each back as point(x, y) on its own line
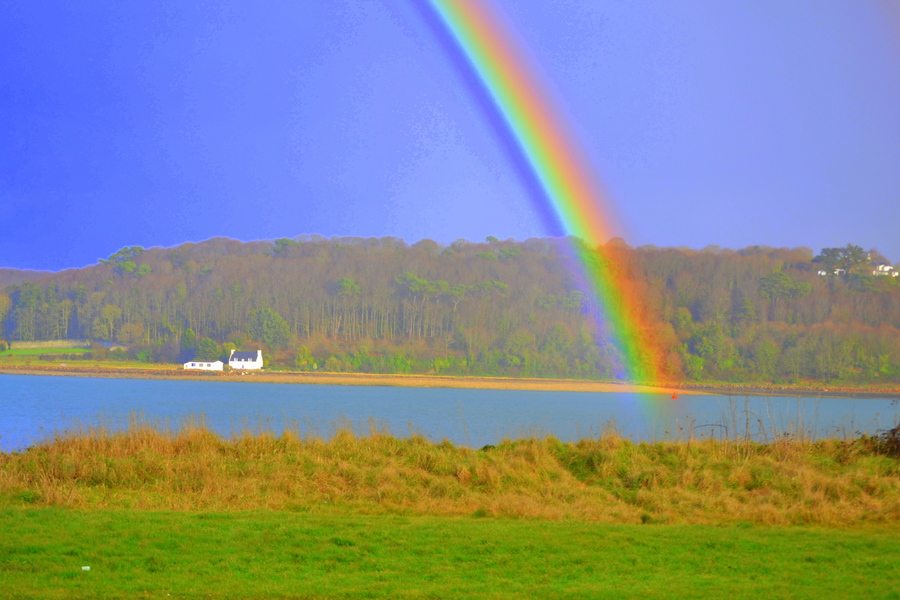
point(34, 407)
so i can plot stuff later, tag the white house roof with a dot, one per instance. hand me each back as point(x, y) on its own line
point(245, 355)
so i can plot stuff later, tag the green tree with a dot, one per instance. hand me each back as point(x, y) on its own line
point(347, 287)
point(303, 359)
point(283, 245)
point(682, 321)
point(268, 327)
point(693, 364)
point(777, 285)
point(842, 261)
point(207, 349)
point(188, 345)
point(716, 348)
point(126, 266)
point(780, 285)
point(334, 364)
point(125, 254)
point(5, 305)
point(766, 354)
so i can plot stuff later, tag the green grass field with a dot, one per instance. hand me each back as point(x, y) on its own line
point(26, 357)
point(188, 514)
point(135, 554)
point(40, 351)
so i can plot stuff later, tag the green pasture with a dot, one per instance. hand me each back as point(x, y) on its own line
point(39, 351)
point(33, 358)
point(136, 554)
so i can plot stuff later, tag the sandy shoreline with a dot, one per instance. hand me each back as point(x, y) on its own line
point(369, 379)
point(444, 381)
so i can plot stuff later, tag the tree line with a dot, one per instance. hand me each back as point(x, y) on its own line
point(493, 308)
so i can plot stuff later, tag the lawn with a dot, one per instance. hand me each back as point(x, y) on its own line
point(31, 357)
point(40, 351)
point(297, 555)
point(177, 513)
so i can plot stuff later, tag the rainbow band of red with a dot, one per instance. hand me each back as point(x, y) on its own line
point(555, 160)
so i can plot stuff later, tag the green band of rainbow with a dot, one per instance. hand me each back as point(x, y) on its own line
point(567, 182)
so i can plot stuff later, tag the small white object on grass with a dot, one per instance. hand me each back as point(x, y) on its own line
point(85, 568)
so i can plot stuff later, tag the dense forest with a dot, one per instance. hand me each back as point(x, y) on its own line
point(493, 308)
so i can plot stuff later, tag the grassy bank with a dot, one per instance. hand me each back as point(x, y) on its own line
point(136, 554)
point(188, 514)
point(609, 479)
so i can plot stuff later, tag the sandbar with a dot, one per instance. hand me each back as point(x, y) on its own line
point(365, 379)
point(453, 381)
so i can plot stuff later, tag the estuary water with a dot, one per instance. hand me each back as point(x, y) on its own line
point(33, 408)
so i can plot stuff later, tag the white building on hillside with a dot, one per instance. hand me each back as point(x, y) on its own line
point(215, 365)
point(885, 270)
point(245, 360)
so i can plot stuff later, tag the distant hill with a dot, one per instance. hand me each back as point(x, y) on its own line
point(492, 308)
point(14, 276)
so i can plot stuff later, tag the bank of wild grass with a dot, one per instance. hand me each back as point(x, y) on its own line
point(608, 479)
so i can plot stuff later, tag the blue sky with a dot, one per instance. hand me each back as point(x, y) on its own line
point(725, 123)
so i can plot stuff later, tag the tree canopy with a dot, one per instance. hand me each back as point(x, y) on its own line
point(380, 305)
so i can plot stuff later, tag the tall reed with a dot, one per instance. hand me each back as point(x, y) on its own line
point(143, 465)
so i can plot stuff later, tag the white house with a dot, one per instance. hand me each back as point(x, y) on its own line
point(215, 365)
point(885, 270)
point(245, 360)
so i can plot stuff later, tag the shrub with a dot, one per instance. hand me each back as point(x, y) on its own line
point(889, 442)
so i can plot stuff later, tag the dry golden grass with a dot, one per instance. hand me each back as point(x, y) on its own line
point(609, 479)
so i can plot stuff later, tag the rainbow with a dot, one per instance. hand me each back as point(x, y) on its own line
point(566, 182)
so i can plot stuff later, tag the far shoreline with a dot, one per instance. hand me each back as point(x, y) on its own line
point(352, 379)
point(455, 382)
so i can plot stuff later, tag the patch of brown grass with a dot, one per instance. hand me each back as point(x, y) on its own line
point(608, 479)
